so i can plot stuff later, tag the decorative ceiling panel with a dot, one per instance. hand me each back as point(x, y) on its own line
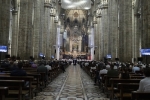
point(76, 4)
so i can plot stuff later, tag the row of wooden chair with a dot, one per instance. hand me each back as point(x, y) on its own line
point(121, 89)
point(17, 87)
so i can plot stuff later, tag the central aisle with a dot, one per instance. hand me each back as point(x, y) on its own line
point(73, 88)
point(74, 84)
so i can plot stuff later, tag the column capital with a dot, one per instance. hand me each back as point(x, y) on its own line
point(48, 5)
point(99, 13)
point(103, 6)
point(14, 12)
point(52, 12)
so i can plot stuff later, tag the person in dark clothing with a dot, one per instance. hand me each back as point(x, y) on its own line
point(42, 68)
point(74, 62)
point(96, 77)
point(124, 74)
point(18, 71)
point(62, 66)
point(112, 72)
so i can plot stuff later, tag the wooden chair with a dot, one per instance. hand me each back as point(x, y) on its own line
point(3, 92)
point(15, 87)
point(115, 81)
point(136, 95)
point(125, 90)
point(29, 79)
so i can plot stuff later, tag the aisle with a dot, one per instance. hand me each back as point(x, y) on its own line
point(74, 84)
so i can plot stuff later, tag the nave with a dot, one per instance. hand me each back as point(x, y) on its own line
point(74, 84)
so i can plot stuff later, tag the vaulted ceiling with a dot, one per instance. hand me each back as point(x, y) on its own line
point(76, 4)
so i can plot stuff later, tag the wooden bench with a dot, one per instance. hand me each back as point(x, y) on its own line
point(36, 78)
point(136, 95)
point(3, 92)
point(136, 74)
point(29, 79)
point(107, 81)
point(35, 75)
point(115, 81)
point(15, 87)
point(125, 90)
point(137, 77)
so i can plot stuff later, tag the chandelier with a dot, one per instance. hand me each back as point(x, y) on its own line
point(76, 4)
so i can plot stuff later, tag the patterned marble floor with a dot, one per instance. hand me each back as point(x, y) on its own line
point(74, 84)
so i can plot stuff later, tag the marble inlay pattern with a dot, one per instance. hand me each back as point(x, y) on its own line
point(92, 92)
point(74, 84)
point(53, 89)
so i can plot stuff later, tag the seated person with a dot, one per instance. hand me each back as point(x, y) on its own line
point(18, 71)
point(112, 72)
point(144, 85)
point(124, 73)
point(103, 71)
point(48, 66)
point(42, 68)
point(135, 68)
point(34, 65)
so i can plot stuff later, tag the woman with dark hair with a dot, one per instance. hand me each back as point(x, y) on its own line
point(144, 85)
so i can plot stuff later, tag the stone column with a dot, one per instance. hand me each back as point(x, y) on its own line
point(52, 32)
point(80, 44)
point(98, 34)
point(104, 8)
point(25, 29)
point(98, 49)
point(145, 32)
point(14, 45)
point(42, 28)
point(101, 40)
point(125, 30)
point(96, 38)
point(51, 36)
point(36, 25)
point(92, 43)
point(4, 23)
point(137, 27)
point(22, 36)
point(113, 29)
point(58, 43)
point(46, 33)
point(137, 36)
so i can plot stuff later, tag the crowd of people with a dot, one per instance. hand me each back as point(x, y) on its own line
point(17, 66)
point(97, 68)
point(120, 69)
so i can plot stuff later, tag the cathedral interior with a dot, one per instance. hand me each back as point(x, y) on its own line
point(91, 30)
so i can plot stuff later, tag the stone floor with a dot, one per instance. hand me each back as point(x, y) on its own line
point(74, 84)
